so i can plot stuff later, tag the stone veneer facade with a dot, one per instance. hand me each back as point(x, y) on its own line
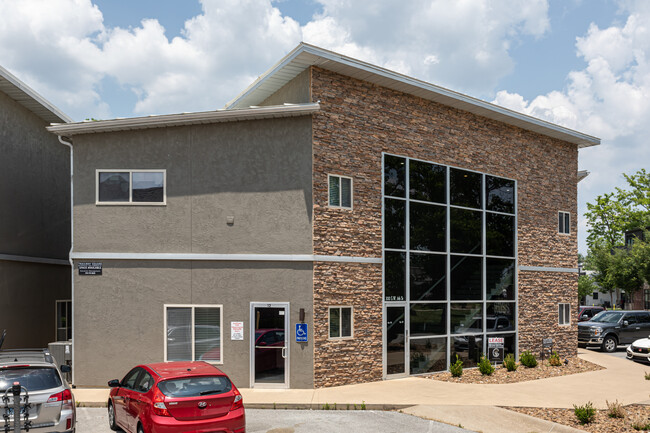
point(357, 122)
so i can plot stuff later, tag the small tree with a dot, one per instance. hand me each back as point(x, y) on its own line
point(586, 286)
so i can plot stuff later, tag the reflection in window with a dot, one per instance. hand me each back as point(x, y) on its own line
point(509, 343)
point(394, 223)
point(428, 277)
point(466, 229)
point(395, 340)
point(428, 319)
point(428, 355)
point(113, 187)
point(465, 188)
point(499, 194)
point(499, 235)
point(394, 176)
point(466, 318)
point(427, 181)
point(148, 186)
point(500, 274)
point(130, 186)
point(395, 277)
point(469, 349)
point(427, 227)
point(500, 316)
point(466, 278)
point(340, 191)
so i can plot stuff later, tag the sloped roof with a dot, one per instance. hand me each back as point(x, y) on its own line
point(28, 98)
point(305, 55)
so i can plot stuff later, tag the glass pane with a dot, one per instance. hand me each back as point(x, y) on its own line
point(560, 224)
point(560, 314)
point(500, 274)
point(179, 334)
point(346, 322)
point(334, 191)
point(207, 334)
point(567, 226)
point(395, 276)
point(335, 322)
point(428, 355)
point(508, 343)
point(465, 188)
point(500, 316)
point(269, 340)
point(499, 194)
point(469, 349)
point(113, 187)
point(395, 223)
point(61, 316)
point(499, 235)
point(346, 192)
point(466, 318)
point(428, 319)
point(466, 229)
point(427, 182)
point(428, 282)
point(395, 346)
point(427, 227)
point(148, 187)
point(394, 176)
point(466, 278)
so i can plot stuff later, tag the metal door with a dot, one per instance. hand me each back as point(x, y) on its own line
point(269, 345)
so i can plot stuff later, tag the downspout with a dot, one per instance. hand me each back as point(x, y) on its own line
point(69, 144)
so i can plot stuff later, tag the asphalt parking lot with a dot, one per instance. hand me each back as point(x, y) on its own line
point(94, 420)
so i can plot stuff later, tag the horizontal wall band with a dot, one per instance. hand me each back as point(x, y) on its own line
point(225, 257)
point(28, 259)
point(548, 269)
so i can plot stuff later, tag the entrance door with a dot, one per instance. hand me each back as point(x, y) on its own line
point(396, 341)
point(269, 345)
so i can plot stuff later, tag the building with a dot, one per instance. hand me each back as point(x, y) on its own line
point(401, 222)
point(35, 297)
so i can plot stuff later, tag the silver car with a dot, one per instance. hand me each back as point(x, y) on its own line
point(33, 373)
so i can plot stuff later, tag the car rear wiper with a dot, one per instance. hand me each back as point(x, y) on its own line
point(212, 391)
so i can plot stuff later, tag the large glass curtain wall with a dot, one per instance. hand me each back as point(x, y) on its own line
point(449, 264)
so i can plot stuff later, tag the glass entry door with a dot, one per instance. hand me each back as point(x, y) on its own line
point(396, 339)
point(269, 345)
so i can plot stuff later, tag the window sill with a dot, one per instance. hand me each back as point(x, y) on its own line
point(340, 338)
point(339, 207)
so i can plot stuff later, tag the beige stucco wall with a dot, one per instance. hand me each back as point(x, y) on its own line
point(296, 91)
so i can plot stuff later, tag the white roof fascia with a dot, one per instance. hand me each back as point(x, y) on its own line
point(28, 98)
point(582, 174)
point(305, 55)
point(204, 117)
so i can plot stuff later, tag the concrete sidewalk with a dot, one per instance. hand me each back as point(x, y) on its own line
point(456, 403)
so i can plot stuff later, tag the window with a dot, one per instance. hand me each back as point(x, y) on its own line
point(193, 333)
point(340, 322)
point(131, 187)
point(340, 192)
point(594, 296)
point(564, 223)
point(63, 320)
point(564, 314)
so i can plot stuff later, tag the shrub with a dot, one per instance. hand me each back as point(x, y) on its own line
point(555, 360)
point(647, 375)
point(615, 410)
point(509, 363)
point(528, 359)
point(640, 422)
point(585, 413)
point(485, 367)
point(456, 368)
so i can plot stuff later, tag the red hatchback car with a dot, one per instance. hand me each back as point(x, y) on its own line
point(174, 397)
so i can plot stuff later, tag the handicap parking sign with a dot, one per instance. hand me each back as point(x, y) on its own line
point(301, 332)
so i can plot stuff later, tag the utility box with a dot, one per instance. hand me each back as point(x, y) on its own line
point(62, 353)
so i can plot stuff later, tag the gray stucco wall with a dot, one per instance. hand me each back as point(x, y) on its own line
point(34, 186)
point(119, 315)
point(296, 91)
point(259, 172)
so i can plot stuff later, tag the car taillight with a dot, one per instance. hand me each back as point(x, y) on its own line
point(238, 403)
point(158, 401)
point(65, 397)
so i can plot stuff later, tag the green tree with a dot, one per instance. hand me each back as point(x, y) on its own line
point(586, 286)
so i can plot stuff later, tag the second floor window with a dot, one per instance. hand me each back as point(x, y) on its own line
point(131, 186)
point(340, 191)
point(564, 223)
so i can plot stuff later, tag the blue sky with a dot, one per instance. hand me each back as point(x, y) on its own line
point(578, 63)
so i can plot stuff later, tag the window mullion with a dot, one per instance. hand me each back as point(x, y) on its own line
point(192, 331)
point(130, 186)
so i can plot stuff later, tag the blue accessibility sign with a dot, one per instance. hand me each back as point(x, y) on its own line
point(301, 333)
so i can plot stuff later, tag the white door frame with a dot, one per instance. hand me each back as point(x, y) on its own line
point(287, 323)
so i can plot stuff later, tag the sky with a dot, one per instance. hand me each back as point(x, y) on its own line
point(583, 64)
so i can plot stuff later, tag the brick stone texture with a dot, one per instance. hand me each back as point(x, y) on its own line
point(355, 360)
point(357, 122)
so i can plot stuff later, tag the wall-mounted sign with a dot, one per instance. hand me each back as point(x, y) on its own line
point(236, 330)
point(88, 268)
point(495, 349)
point(301, 332)
point(547, 342)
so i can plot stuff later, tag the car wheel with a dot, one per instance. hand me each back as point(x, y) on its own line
point(111, 417)
point(609, 344)
point(140, 429)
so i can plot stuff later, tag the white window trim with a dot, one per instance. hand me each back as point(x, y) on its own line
point(340, 191)
point(193, 307)
point(565, 228)
point(130, 202)
point(329, 310)
point(68, 320)
point(567, 319)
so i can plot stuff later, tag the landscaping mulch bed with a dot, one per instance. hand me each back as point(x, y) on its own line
point(522, 374)
point(601, 423)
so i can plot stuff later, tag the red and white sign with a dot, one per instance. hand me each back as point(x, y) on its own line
point(496, 340)
point(236, 330)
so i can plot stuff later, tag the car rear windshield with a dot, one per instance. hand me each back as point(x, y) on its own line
point(195, 386)
point(32, 378)
point(607, 317)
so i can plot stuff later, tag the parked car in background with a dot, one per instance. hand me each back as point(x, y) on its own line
point(586, 313)
point(639, 350)
point(609, 329)
point(51, 405)
point(175, 397)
